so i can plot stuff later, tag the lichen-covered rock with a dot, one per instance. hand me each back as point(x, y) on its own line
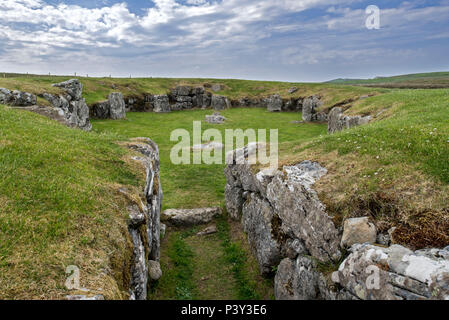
point(17, 98)
point(216, 118)
point(117, 106)
point(190, 217)
point(72, 107)
point(304, 217)
point(297, 280)
point(274, 103)
point(144, 223)
point(220, 103)
point(338, 121)
point(73, 87)
point(309, 110)
point(234, 201)
point(395, 273)
point(160, 103)
point(358, 230)
point(155, 270)
point(257, 222)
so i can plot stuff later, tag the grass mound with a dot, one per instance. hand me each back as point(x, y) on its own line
point(59, 207)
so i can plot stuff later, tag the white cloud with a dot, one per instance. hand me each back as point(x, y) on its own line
point(200, 31)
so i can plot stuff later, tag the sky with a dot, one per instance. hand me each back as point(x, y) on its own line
point(285, 40)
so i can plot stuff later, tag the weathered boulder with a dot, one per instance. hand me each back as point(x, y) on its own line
point(208, 231)
point(73, 87)
point(160, 103)
point(274, 103)
point(216, 118)
point(17, 98)
point(304, 217)
point(220, 103)
point(358, 230)
point(190, 217)
point(297, 280)
point(338, 121)
point(117, 106)
point(292, 90)
point(71, 107)
point(309, 110)
point(395, 273)
point(155, 270)
point(276, 208)
point(257, 220)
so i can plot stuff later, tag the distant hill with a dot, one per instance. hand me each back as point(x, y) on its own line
point(413, 81)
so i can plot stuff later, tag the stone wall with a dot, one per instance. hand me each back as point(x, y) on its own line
point(290, 231)
point(71, 107)
point(113, 108)
point(338, 121)
point(144, 222)
point(17, 98)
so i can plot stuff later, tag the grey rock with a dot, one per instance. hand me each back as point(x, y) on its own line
point(292, 90)
point(220, 103)
point(309, 109)
point(297, 280)
point(257, 223)
point(190, 217)
point(274, 103)
point(338, 121)
point(395, 273)
point(234, 201)
point(155, 270)
point(152, 211)
point(73, 87)
point(383, 239)
point(294, 248)
point(358, 230)
point(117, 106)
point(17, 98)
point(163, 231)
point(139, 267)
point(71, 107)
point(304, 217)
point(208, 231)
point(216, 118)
point(84, 297)
point(160, 103)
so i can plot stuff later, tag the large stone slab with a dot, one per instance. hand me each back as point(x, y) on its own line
point(338, 121)
point(190, 217)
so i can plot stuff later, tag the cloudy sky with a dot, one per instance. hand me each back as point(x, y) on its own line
point(293, 40)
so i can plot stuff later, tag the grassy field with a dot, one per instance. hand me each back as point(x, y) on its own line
point(395, 169)
point(97, 89)
point(195, 186)
point(432, 80)
point(59, 207)
point(57, 187)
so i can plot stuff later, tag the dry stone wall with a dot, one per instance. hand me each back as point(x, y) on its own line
point(290, 231)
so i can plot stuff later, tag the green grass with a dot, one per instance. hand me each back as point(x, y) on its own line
point(97, 89)
point(213, 267)
point(417, 80)
point(416, 133)
point(193, 186)
point(55, 191)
